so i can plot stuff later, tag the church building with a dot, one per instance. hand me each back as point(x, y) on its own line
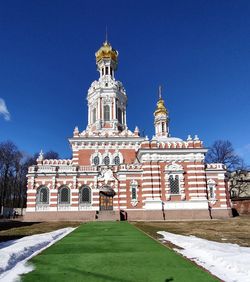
point(116, 174)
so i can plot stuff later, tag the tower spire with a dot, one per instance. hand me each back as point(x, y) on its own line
point(161, 117)
point(106, 34)
point(160, 91)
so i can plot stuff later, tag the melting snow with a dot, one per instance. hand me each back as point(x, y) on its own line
point(229, 262)
point(14, 254)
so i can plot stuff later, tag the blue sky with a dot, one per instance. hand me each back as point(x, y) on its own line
point(198, 50)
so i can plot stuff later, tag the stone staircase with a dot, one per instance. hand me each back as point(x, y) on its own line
point(107, 216)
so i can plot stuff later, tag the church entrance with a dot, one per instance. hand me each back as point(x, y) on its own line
point(106, 202)
point(106, 198)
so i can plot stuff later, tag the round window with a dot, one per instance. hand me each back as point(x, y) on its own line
point(106, 160)
point(96, 160)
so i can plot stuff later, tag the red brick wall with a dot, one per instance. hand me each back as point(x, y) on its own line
point(242, 206)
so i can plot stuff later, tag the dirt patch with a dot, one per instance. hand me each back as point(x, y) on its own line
point(233, 230)
point(12, 230)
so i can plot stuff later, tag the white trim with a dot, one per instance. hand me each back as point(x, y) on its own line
point(151, 183)
point(195, 171)
point(197, 177)
point(196, 182)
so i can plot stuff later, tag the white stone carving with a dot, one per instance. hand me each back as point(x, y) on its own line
point(106, 175)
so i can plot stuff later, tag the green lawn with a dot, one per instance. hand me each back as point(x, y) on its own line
point(112, 251)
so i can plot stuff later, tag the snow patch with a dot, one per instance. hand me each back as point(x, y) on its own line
point(229, 262)
point(15, 253)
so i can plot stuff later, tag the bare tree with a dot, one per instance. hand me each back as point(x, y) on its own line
point(10, 157)
point(239, 183)
point(222, 151)
point(13, 170)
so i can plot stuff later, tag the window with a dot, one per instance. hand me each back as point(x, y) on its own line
point(85, 195)
point(106, 160)
point(174, 184)
point(162, 127)
point(106, 70)
point(102, 71)
point(211, 191)
point(133, 187)
point(94, 115)
point(43, 195)
point(64, 195)
point(119, 115)
point(211, 188)
point(133, 193)
point(106, 113)
point(117, 160)
point(111, 71)
point(96, 160)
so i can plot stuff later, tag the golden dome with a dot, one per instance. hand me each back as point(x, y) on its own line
point(160, 108)
point(106, 51)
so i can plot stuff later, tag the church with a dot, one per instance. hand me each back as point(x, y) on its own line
point(117, 174)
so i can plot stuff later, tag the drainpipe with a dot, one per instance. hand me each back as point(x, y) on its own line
point(118, 182)
point(208, 205)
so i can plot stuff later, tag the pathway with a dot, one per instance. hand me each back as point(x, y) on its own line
point(112, 251)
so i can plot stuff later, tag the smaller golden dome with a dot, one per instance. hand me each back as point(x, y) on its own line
point(106, 51)
point(160, 108)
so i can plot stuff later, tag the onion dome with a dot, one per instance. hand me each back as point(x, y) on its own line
point(160, 108)
point(106, 52)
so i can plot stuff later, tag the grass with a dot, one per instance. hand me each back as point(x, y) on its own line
point(112, 251)
point(12, 230)
point(233, 230)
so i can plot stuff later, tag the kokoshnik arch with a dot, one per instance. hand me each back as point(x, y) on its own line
point(114, 171)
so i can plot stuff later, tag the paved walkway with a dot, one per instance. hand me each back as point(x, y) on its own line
point(112, 251)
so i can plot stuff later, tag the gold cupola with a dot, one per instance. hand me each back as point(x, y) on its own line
point(160, 108)
point(106, 52)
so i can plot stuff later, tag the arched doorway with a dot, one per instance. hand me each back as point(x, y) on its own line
point(106, 198)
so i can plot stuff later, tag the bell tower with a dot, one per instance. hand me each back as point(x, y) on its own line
point(107, 99)
point(161, 118)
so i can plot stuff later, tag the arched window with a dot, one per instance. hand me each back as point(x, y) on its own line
point(64, 195)
point(211, 191)
point(94, 115)
point(106, 160)
point(96, 160)
point(85, 195)
point(119, 115)
point(211, 188)
point(117, 160)
point(106, 113)
point(43, 195)
point(133, 188)
point(174, 184)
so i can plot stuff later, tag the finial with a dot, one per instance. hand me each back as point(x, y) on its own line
point(40, 157)
point(160, 91)
point(106, 39)
point(196, 138)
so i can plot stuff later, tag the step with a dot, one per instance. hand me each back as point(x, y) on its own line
point(107, 216)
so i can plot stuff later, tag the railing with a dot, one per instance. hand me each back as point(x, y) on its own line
point(74, 169)
point(46, 168)
point(215, 166)
point(130, 166)
point(87, 168)
point(83, 207)
point(63, 207)
point(42, 207)
point(67, 169)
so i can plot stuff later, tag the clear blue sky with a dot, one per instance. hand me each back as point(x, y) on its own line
point(198, 50)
